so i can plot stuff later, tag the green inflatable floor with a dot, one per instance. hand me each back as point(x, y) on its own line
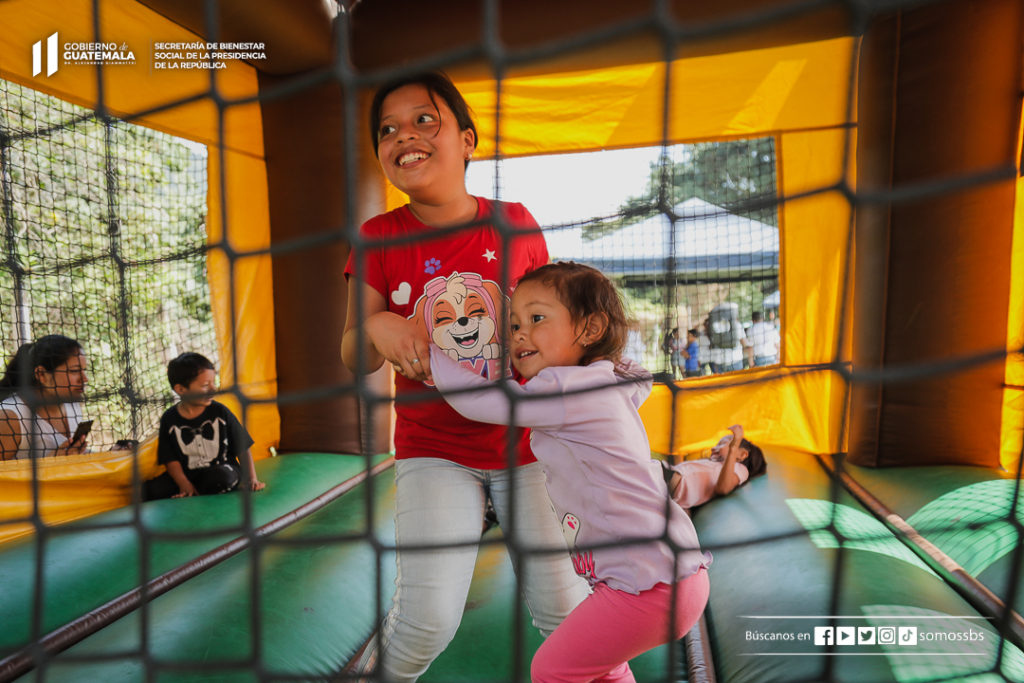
point(85, 564)
point(298, 605)
point(967, 512)
point(484, 645)
point(793, 554)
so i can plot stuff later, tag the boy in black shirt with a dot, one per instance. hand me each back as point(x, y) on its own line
point(200, 439)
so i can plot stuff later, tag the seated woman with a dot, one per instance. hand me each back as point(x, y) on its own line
point(40, 399)
point(733, 462)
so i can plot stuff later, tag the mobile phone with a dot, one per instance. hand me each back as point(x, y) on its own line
point(83, 430)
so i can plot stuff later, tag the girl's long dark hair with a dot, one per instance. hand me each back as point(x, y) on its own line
point(50, 352)
point(755, 463)
point(18, 374)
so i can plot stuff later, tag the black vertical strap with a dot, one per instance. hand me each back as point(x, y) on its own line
point(122, 311)
point(858, 20)
point(18, 272)
point(515, 542)
point(10, 249)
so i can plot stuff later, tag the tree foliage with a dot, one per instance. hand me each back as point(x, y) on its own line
point(104, 234)
point(736, 175)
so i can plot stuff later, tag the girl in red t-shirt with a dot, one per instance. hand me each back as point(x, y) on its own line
point(438, 270)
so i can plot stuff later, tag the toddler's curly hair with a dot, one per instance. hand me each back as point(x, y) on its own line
point(585, 291)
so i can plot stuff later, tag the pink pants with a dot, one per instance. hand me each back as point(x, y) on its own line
point(597, 640)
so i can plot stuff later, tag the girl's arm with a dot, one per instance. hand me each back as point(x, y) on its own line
point(493, 402)
point(727, 479)
point(10, 434)
point(71, 447)
point(384, 335)
point(373, 303)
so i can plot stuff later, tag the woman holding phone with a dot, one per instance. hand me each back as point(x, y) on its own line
point(40, 400)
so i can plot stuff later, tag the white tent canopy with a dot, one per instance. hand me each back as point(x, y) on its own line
point(707, 242)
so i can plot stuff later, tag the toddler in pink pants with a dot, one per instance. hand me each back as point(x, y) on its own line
point(632, 542)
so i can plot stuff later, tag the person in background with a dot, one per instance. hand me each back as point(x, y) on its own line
point(200, 440)
point(764, 339)
point(704, 350)
point(692, 354)
point(41, 406)
point(677, 354)
point(730, 348)
point(732, 462)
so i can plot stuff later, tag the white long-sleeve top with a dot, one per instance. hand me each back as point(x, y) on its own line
point(601, 479)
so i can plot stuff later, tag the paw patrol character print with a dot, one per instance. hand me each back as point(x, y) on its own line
point(460, 314)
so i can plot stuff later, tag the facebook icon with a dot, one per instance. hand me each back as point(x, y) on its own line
point(824, 635)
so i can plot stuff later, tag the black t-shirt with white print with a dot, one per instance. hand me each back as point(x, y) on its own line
point(214, 437)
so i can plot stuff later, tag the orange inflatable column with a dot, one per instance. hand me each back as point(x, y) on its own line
point(305, 151)
point(938, 112)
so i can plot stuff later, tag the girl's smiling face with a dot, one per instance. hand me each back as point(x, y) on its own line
point(67, 381)
point(543, 331)
point(419, 144)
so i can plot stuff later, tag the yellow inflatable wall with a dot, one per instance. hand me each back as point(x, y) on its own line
point(237, 220)
point(799, 94)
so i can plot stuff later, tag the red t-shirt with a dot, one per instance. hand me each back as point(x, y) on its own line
point(454, 285)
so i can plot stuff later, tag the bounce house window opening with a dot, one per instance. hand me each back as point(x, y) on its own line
point(689, 232)
point(104, 241)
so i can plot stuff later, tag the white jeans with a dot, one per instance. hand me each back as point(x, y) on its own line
point(441, 503)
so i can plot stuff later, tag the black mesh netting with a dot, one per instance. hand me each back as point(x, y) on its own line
point(104, 242)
